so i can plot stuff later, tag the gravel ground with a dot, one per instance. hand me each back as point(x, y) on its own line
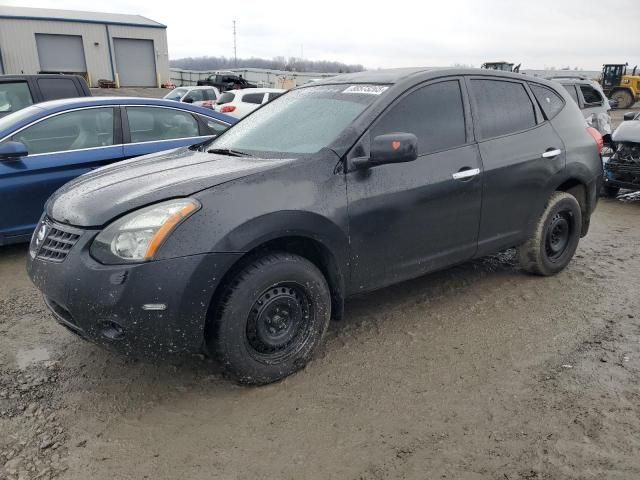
point(477, 372)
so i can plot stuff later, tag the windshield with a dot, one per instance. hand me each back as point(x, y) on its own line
point(301, 121)
point(176, 94)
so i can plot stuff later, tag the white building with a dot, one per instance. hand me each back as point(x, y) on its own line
point(129, 49)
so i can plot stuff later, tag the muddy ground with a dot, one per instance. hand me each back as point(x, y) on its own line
point(477, 372)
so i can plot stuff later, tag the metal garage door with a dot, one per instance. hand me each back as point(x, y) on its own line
point(135, 62)
point(60, 53)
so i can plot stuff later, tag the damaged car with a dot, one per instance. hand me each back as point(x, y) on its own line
point(622, 170)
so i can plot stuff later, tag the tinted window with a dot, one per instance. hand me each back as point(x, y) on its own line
point(273, 95)
point(226, 97)
point(196, 95)
point(253, 98)
point(503, 107)
point(69, 131)
point(433, 113)
point(53, 88)
point(549, 101)
point(572, 92)
point(591, 95)
point(14, 96)
point(148, 124)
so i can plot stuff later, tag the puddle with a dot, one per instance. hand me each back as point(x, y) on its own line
point(26, 358)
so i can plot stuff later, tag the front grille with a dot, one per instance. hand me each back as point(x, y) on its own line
point(58, 242)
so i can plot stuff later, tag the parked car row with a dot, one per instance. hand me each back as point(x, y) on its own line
point(246, 244)
point(44, 146)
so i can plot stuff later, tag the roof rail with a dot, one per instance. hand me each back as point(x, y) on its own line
point(577, 77)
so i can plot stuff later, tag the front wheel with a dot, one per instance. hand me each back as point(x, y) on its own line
point(271, 318)
point(555, 237)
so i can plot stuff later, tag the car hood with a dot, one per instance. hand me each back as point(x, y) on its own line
point(628, 131)
point(96, 198)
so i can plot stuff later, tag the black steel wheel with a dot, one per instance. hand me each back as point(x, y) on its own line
point(270, 319)
point(554, 240)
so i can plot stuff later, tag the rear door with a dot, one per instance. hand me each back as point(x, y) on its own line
point(61, 147)
point(520, 151)
point(410, 218)
point(150, 129)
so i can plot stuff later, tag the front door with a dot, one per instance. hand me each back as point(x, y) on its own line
point(410, 218)
point(60, 148)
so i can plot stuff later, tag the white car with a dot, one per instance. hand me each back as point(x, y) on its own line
point(200, 96)
point(238, 103)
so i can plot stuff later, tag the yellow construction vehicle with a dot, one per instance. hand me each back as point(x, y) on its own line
point(619, 85)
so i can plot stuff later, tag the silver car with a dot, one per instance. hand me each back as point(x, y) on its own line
point(204, 96)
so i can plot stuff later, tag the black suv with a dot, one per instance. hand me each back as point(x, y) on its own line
point(20, 91)
point(224, 81)
point(249, 244)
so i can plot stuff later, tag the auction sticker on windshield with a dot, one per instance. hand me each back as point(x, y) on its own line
point(368, 89)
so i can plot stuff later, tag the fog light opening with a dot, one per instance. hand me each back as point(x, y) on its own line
point(112, 330)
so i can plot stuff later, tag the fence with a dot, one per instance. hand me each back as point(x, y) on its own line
point(259, 76)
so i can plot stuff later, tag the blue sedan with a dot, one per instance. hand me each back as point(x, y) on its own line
point(45, 145)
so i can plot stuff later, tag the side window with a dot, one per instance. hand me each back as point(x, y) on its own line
point(572, 92)
point(196, 95)
point(14, 96)
point(253, 98)
point(226, 97)
point(434, 114)
point(69, 131)
point(549, 101)
point(213, 127)
point(591, 96)
point(273, 95)
point(502, 107)
point(209, 94)
point(54, 88)
point(148, 124)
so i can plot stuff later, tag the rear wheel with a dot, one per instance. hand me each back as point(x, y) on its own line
point(271, 318)
point(555, 238)
point(624, 98)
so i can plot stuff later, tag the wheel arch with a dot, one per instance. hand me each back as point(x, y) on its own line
point(579, 189)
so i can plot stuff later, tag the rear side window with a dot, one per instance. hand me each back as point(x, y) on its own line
point(209, 94)
point(195, 95)
point(54, 88)
point(550, 102)
point(213, 126)
point(253, 98)
point(75, 130)
point(434, 114)
point(502, 107)
point(572, 92)
point(591, 96)
point(273, 95)
point(148, 124)
point(14, 96)
point(226, 97)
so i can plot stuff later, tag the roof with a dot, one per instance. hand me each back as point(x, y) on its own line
point(25, 13)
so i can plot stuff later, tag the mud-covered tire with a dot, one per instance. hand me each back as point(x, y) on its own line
point(609, 191)
point(271, 317)
point(555, 238)
point(624, 98)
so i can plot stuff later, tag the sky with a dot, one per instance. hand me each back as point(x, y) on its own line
point(536, 33)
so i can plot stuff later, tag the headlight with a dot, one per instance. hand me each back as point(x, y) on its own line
point(136, 237)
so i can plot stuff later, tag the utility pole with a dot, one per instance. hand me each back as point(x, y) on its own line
point(235, 47)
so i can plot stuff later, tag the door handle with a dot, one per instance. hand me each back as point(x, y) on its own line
point(462, 174)
point(552, 153)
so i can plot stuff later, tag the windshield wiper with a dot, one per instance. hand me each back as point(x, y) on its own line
point(228, 151)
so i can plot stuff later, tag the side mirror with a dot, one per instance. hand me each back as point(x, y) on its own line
point(629, 116)
point(394, 148)
point(12, 151)
point(187, 100)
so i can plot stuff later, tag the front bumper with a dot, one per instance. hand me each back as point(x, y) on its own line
point(106, 303)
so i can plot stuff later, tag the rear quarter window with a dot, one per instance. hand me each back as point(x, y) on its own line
point(14, 96)
point(226, 97)
point(502, 107)
point(550, 102)
point(255, 98)
point(592, 97)
point(54, 88)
